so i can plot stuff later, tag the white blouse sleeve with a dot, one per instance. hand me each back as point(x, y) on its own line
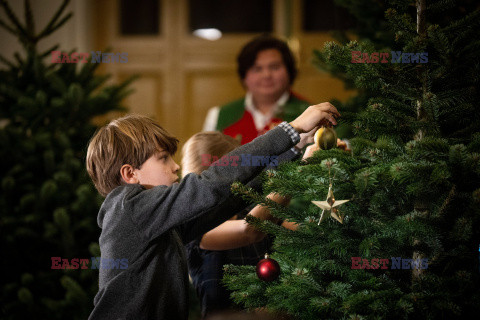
point(211, 119)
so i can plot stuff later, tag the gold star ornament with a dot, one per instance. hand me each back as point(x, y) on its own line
point(329, 207)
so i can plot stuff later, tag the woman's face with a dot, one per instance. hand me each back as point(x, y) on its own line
point(268, 78)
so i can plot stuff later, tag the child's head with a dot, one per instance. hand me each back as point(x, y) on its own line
point(129, 150)
point(212, 143)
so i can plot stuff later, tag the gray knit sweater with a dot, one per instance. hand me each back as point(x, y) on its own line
point(148, 228)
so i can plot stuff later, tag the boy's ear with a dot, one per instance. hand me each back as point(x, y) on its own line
point(128, 174)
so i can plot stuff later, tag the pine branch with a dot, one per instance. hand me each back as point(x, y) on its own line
point(49, 28)
point(8, 28)
point(18, 58)
point(440, 6)
point(13, 18)
point(402, 23)
point(29, 18)
point(48, 51)
point(447, 201)
point(5, 61)
point(471, 21)
point(58, 25)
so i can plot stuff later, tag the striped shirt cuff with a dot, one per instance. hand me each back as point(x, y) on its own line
point(296, 151)
point(291, 132)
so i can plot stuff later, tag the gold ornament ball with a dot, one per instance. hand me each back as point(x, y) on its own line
point(326, 138)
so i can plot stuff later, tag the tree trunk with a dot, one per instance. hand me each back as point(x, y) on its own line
point(420, 205)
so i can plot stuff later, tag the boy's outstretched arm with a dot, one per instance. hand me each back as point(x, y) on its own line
point(159, 209)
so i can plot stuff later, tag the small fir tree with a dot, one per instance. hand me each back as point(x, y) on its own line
point(48, 206)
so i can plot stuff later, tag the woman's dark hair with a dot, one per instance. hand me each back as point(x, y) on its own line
point(248, 55)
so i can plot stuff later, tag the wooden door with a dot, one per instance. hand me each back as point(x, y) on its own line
point(182, 76)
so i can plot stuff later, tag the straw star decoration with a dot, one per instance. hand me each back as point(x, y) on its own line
point(329, 207)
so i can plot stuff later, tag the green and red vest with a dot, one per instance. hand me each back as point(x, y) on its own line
point(235, 121)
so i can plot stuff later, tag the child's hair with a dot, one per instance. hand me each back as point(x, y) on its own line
point(211, 143)
point(128, 140)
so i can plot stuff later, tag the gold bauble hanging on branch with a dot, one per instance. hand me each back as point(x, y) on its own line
point(326, 138)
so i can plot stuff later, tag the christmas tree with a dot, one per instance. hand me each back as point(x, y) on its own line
point(405, 245)
point(48, 206)
point(368, 25)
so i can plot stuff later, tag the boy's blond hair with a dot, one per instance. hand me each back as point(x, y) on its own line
point(128, 140)
point(212, 143)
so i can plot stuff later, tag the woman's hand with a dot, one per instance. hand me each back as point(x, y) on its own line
point(312, 148)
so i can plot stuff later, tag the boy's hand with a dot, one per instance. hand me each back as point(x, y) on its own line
point(322, 114)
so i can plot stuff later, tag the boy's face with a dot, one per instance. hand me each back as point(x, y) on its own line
point(268, 78)
point(159, 169)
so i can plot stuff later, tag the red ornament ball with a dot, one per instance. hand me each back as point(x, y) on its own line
point(268, 269)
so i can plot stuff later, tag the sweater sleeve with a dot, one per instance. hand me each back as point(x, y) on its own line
point(231, 206)
point(161, 208)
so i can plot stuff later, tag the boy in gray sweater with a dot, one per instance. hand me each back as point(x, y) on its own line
point(148, 214)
